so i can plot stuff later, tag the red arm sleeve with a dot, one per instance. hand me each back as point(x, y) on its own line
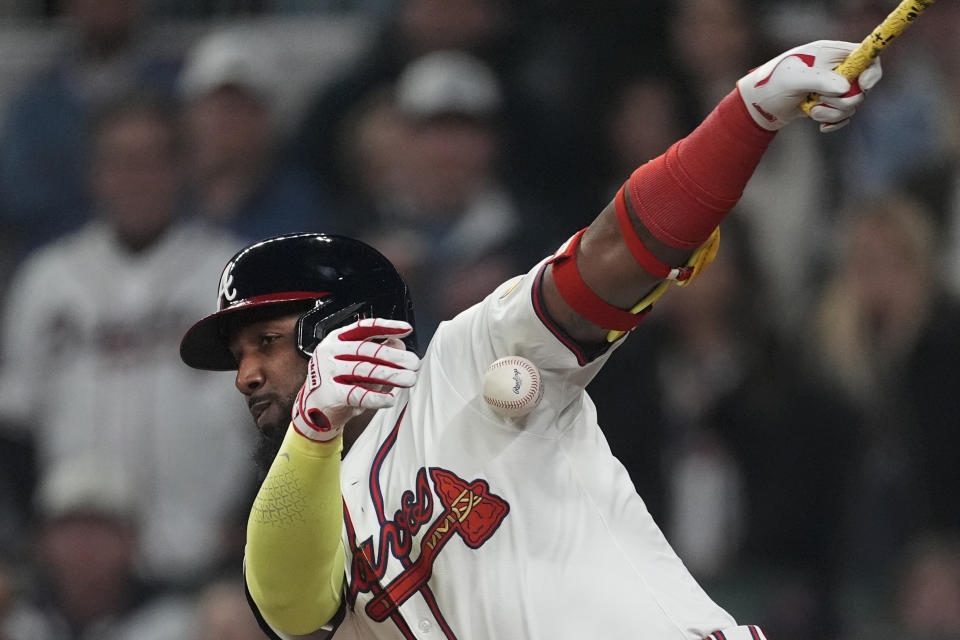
point(682, 195)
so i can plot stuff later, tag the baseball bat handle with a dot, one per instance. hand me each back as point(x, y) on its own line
point(861, 57)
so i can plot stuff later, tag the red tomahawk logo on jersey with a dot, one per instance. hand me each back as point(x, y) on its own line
point(470, 510)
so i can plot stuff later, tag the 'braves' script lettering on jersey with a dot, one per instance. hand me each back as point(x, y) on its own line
point(469, 512)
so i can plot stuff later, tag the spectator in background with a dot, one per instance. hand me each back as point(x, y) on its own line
point(89, 351)
point(642, 121)
point(936, 180)
point(224, 614)
point(712, 42)
point(536, 56)
point(927, 596)
point(884, 335)
point(87, 542)
point(108, 50)
point(921, 600)
point(373, 146)
point(418, 27)
point(453, 227)
point(240, 173)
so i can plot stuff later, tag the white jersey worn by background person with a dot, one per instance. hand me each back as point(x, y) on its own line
point(90, 363)
point(461, 524)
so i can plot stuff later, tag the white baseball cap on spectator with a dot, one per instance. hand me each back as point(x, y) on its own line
point(231, 58)
point(85, 485)
point(448, 82)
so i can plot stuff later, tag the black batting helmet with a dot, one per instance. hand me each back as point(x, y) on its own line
point(344, 278)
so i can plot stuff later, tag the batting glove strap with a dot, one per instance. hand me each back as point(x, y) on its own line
point(774, 91)
point(354, 368)
point(308, 419)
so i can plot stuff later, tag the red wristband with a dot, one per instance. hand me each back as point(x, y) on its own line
point(581, 299)
point(653, 265)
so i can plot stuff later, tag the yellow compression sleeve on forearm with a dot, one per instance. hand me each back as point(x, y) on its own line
point(294, 558)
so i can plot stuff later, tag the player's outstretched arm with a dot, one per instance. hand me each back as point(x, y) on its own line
point(294, 561)
point(671, 206)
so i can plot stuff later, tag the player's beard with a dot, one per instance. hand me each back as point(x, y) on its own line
point(270, 436)
point(265, 450)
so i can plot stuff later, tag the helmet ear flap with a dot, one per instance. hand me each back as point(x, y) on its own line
point(316, 323)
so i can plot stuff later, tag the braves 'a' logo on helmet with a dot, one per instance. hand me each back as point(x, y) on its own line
point(227, 291)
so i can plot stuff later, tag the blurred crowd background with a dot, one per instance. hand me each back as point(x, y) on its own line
point(791, 418)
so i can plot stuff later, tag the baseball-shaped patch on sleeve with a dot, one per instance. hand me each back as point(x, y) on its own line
point(512, 386)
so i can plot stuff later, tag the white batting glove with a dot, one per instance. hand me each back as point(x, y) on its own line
point(774, 91)
point(354, 368)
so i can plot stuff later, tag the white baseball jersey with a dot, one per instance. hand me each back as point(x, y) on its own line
point(463, 524)
point(91, 367)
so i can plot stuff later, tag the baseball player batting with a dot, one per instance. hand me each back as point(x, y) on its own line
point(398, 504)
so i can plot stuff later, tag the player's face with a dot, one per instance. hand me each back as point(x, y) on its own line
point(270, 372)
